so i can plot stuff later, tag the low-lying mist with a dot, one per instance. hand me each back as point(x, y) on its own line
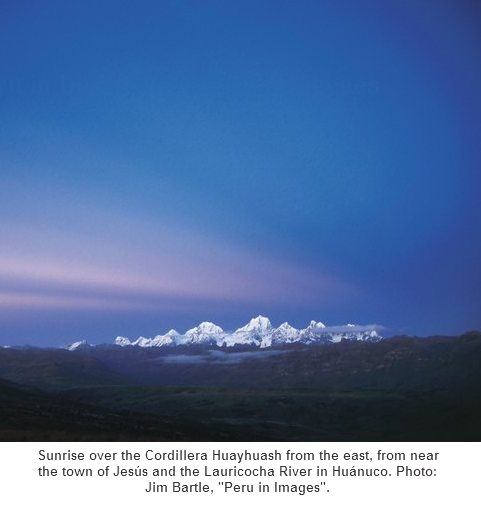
point(219, 357)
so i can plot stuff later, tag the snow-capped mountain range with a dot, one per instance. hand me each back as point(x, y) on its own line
point(258, 332)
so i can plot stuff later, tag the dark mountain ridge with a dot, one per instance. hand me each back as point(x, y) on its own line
point(402, 388)
point(398, 362)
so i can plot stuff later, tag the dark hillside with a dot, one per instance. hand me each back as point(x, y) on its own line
point(399, 389)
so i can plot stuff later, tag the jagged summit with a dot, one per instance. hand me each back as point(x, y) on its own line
point(261, 325)
point(122, 341)
point(285, 333)
point(318, 325)
point(77, 345)
point(205, 328)
point(258, 332)
point(285, 327)
point(205, 333)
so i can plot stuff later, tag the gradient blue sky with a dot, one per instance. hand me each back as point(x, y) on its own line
point(167, 162)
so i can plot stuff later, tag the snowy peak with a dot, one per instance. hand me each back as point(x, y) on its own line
point(77, 345)
point(314, 333)
point(162, 340)
point(205, 328)
point(205, 333)
point(261, 325)
point(285, 328)
point(316, 325)
point(285, 333)
point(122, 341)
point(144, 342)
point(257, 332)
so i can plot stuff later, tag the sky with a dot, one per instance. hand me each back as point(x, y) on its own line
point(164, 163)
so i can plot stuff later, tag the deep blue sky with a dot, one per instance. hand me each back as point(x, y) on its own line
point(167, 162)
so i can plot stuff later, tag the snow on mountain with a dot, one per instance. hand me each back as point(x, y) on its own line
point(285, 333)
point(168, 339)
point(258, 332)
point(144, 342)
point(261, 325)
point(312, 333)
point(76, 345)
point(205, 333)
point(349, 332)
point(122, 341)
point(367, 335)
point(205, 328)
point(240, 338)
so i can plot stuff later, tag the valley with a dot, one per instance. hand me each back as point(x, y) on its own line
point(398, 389)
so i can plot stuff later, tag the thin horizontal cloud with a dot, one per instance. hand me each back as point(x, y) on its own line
point(155, 264)
point(47, 301)
point(249, 279)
